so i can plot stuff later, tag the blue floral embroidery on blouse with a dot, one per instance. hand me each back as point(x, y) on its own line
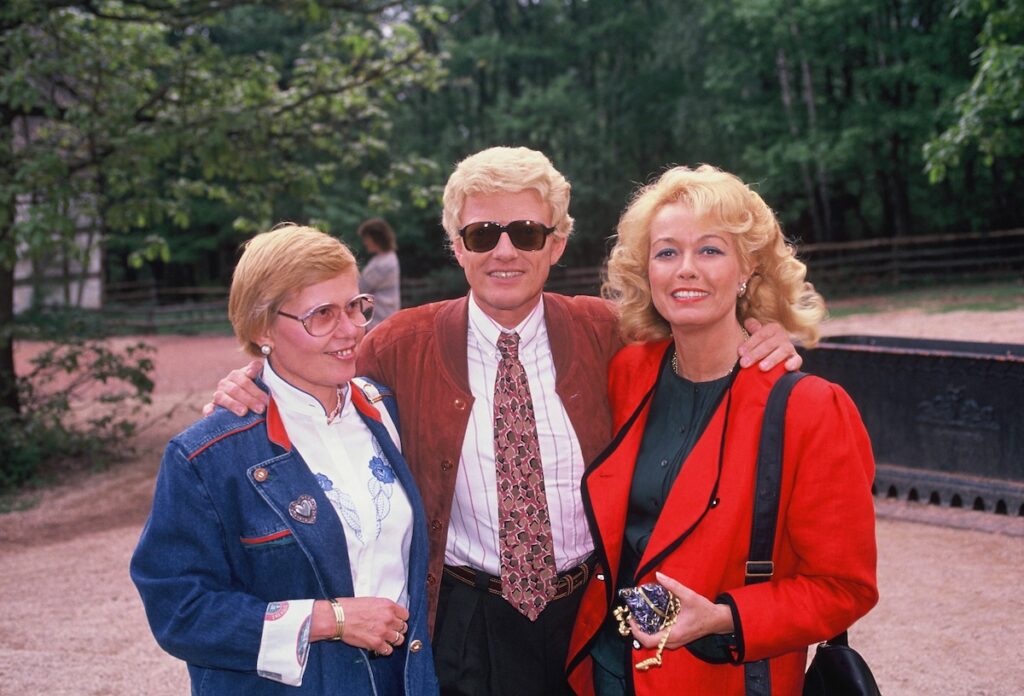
point(382, 471)
point(325, 483)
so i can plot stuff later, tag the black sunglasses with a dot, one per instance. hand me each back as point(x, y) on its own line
point(525, 235)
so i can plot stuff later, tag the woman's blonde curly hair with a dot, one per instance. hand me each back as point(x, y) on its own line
point(777, 290)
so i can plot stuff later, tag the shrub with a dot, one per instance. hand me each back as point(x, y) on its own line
point(77, 403)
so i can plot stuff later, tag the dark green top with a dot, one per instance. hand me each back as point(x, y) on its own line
point(680, 411)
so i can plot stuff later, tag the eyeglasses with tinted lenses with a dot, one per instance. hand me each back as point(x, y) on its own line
point(525, 235)
point(324, 319)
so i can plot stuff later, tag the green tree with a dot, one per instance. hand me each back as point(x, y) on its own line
point(122, 116)
point(988, 114)
point(824, 104)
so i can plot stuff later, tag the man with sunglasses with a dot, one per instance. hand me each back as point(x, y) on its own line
point(507, 561)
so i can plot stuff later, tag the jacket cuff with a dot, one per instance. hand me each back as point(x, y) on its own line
point(738, 650)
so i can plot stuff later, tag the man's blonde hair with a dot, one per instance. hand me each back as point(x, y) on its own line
point(507, 170)
point(274, 265)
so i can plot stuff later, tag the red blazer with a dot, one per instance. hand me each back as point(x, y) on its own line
point(824, 547)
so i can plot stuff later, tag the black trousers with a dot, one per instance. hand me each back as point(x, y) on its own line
point(484, 647)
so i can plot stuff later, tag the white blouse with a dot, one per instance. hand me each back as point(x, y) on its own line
point(370, 503)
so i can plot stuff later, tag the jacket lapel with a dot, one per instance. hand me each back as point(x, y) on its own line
point(608, 479)
point(606, 487)
point(451, 325)
point(283, 480)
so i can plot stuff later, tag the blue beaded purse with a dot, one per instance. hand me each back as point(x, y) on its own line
point(653, 608)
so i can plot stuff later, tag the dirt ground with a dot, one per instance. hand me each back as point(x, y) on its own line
point(948, 622)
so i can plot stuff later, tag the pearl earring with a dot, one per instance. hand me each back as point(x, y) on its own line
point(743, 289)
point(266, 349)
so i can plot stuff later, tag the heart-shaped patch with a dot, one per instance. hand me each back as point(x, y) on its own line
point(303, 509)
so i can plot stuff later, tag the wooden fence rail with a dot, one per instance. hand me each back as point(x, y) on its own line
point(836, 267)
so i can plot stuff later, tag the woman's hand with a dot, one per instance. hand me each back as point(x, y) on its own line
point(238, 392)
point(698, 617)
point(769, 345)
point(374, 623)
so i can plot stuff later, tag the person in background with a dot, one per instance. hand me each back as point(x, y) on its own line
point(381, 277)
point(287, 553)
point(503, 386)
point(697, 254)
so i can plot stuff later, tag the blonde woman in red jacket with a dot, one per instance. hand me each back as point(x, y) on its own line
point(670, 501)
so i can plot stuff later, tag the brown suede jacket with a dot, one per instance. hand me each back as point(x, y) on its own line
point(421, 354)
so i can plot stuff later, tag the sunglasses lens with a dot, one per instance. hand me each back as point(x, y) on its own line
point(525, 235)
point(481, 236)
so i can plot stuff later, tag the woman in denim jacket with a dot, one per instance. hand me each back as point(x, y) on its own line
point(286, 552)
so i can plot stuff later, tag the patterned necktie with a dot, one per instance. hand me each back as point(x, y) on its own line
point(527, 552)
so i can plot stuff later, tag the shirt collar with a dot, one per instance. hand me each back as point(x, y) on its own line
point(488, 331)
point(297, 402)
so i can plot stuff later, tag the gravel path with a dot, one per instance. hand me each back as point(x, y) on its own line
point(949, 619)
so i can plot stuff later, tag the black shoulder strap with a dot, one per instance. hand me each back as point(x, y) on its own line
point(760, 567)
point(769, 478)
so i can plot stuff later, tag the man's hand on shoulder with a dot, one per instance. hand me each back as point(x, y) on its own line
point(238, 392)
point(768, 346)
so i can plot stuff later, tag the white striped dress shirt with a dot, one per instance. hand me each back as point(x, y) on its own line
point(473, 528)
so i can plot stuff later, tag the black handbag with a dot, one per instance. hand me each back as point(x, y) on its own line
point(837, 669)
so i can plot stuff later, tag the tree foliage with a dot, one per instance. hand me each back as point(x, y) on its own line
point(825, 105)
point(989, 113)
point(173, 129)
point(134, 118)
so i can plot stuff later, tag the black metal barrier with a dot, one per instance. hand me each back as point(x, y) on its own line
point(946, 418)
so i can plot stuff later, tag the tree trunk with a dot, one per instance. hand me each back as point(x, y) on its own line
point(782, 66)
point(8, 380)
point(812, 125)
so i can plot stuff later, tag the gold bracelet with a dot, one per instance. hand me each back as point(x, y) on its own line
point(339, 619)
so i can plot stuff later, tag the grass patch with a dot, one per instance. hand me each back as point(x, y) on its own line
point(980, 297)
point(992, 305)
point(19, 502)
point(836, 311)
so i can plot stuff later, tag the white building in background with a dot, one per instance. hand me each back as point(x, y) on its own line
point(70, 275)
point(61, 281)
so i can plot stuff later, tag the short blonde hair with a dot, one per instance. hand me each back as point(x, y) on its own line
point(273, 266)
point(507, 170)
point(777, 290)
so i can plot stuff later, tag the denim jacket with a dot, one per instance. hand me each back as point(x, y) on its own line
point(220, 545)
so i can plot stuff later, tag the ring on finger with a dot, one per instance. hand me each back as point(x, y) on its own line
point(398, 636)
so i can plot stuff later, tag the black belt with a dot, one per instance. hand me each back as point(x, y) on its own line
point(568, 582)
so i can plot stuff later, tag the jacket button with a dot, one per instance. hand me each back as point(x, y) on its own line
point(435, 525)
point(446, 465)
point(416, 646)
point(431, 579)
point(460, 404)
point(260, 474)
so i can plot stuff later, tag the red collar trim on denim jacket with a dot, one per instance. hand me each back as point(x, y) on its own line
point(275, 426)
point(363, 404)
